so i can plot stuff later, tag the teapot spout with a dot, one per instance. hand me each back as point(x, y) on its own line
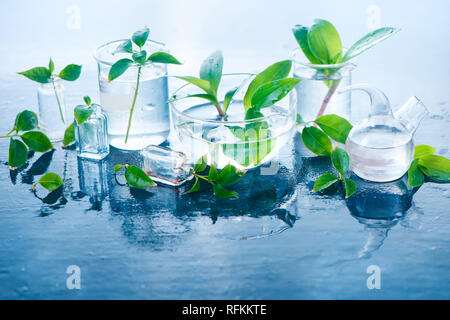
point(411, 113)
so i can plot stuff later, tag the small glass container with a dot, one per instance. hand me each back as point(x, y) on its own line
point(317, 92)
point(165, 165)
point(92, 136)
point(52, 110)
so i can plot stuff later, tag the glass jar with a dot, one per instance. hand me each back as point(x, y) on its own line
point(93, 178)
point(235, 141)
point(52, 110)
point(92, 136)
point(317, 93)
point(150, 122)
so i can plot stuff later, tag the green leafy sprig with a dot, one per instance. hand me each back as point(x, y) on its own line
point(322, 45)
point(24, 135)
point(316, 136)
point(218, 179)
point(135, 176)
point(139, 58)
point(81, 113)
point(50, 181)
point(71, 72)
point(266, 89)
point(428, 165)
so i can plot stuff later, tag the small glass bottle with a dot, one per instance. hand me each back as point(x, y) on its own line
point(92, 136)
point(52, 110)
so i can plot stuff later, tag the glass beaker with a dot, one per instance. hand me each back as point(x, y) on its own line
point(150, 123)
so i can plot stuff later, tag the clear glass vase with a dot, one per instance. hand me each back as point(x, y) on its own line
point(53, 118)
point(317, 93)
point(150, 122)
point(92, 136)
point(235, 141)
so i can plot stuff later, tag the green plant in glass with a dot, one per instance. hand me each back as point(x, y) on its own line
point(70, 72)
point(265, 90)
point(322, 45)
point(139, 58)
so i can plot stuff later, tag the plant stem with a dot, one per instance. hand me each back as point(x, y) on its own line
point(199, 176)
point(330, 93)
point(57, 100)
point(132, 105)
point(220, 111)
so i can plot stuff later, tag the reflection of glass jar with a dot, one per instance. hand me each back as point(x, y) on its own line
point(317, 92)
point(52, 110)
point(93, 178)
point(150, 121)
point(243, 143)
point(92, 136)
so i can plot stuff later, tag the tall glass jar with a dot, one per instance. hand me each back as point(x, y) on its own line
point(317, 93)
point(150, 123)
point(52, 110)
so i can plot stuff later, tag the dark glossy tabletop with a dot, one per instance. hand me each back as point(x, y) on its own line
point(278, 241)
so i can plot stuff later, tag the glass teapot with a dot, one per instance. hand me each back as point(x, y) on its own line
point(381, 147)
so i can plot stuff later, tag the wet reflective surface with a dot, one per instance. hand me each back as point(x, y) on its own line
point(279, 240)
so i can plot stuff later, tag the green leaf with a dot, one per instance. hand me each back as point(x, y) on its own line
point(195, 187)
point(125, 47)
point(271, 92)
point(316, 141)
point(228, 97)
point(229, 175)
point(350, 187)
point(415, 176)
point(205, 96)
point(324, 181)
point(423, 150)
point(87, 100)
point(18, 154)
point(81, 113)
point(69, 135)
point(162, 57)
point(301, 35)
point(213, 174)
point(335, 127)
point(26, 120)
point(140, 37)
point(211, 70)
point(368, 41)
point(138, 178)
point(50, 181)
point(202, 84)
point(340, 160)
point(38, 74)
point(324, 42)
point(247, 153)
point(118, 68)
point(140, 57)
point(221, 192)
point(117, 167)
point(51, 66)
point(71, 72)
point(276, 71)
point(37, 141)
point(435, 167)
point(299, 119)
point(201, 164)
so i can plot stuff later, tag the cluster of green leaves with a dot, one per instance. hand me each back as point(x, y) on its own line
point(71, 72)
point(266, 89)
point(24, 135)
point(316, 136)
point(226, 177)
point(321, 43)
point(140, 59)
point(25, 128)
point(427, 164)
point(135, 176)
point(81, 113)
